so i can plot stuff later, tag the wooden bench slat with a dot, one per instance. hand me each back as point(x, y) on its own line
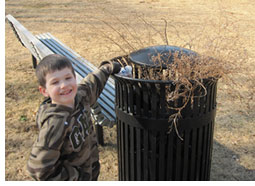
point(54, 45)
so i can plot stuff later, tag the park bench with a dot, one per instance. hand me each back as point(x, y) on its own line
point(103, 112)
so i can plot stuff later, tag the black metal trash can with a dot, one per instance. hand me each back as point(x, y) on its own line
point(146, 149)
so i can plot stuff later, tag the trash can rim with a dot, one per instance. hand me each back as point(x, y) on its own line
point(157, 81)
point(142, 80)
point(133, 56)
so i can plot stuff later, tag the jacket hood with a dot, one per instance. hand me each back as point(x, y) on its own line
point(47, 110)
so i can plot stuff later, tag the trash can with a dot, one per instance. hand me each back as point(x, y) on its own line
point(147, 150)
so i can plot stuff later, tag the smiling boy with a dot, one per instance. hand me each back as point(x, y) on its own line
point(66, 147)
point(61, 87)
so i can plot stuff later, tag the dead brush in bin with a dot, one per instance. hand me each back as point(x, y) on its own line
point(181, 70)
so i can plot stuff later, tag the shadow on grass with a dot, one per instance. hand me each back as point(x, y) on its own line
point(225, 165)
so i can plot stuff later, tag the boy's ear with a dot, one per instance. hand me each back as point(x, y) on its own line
point(43, 91)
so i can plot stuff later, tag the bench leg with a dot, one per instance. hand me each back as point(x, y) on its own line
point(34, 62)
point(98, 117)
point(100, 134)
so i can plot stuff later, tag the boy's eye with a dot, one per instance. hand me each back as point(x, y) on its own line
point(67, 78)
point(54, 82)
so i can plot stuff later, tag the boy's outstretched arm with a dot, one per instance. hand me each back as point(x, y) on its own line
point(93, 84)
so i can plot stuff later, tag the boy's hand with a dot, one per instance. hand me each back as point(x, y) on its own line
point(116, 67)
point(113, 65)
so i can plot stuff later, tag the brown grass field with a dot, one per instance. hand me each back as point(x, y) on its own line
point(90, 27)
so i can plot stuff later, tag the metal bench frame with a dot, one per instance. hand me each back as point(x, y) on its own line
point(103, 112)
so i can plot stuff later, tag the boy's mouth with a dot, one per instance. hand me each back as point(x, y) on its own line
point(66, 92)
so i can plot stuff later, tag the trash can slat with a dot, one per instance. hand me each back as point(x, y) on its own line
point(138, 153)
point(152, 156)
point(132, 153)
point(127, 149)
point(145, 102)
point(162, 98)
point(205, 146)
point(125, 98)
point(169, 157)
point(162, 156)
point(199, 152)
point(145, 155)
point(208, 98)
point(130, 98)
point(186, 155)
point(137, 99)
point(193, 155)
point(154, 100)
point(178, 157)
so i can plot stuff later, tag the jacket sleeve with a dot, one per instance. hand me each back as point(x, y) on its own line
point(44, 162)
point(93, 84)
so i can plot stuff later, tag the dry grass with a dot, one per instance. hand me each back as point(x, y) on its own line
point(86, 28)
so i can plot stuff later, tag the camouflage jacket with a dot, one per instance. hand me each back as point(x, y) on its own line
point(66, 146)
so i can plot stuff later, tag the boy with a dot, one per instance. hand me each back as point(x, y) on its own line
point(66, 148)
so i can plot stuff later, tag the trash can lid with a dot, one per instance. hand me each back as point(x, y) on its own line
point(158, 56)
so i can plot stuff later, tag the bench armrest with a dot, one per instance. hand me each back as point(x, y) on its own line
point(27, 39)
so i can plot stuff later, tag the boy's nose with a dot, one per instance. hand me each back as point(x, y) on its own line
point(63, 84)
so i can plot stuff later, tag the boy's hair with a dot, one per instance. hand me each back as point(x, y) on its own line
point(50, 64)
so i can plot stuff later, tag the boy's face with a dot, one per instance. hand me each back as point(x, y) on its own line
point(61, 87)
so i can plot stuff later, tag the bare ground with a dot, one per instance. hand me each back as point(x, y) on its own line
point(82, 24)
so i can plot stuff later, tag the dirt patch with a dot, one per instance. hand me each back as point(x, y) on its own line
point(89, 28)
